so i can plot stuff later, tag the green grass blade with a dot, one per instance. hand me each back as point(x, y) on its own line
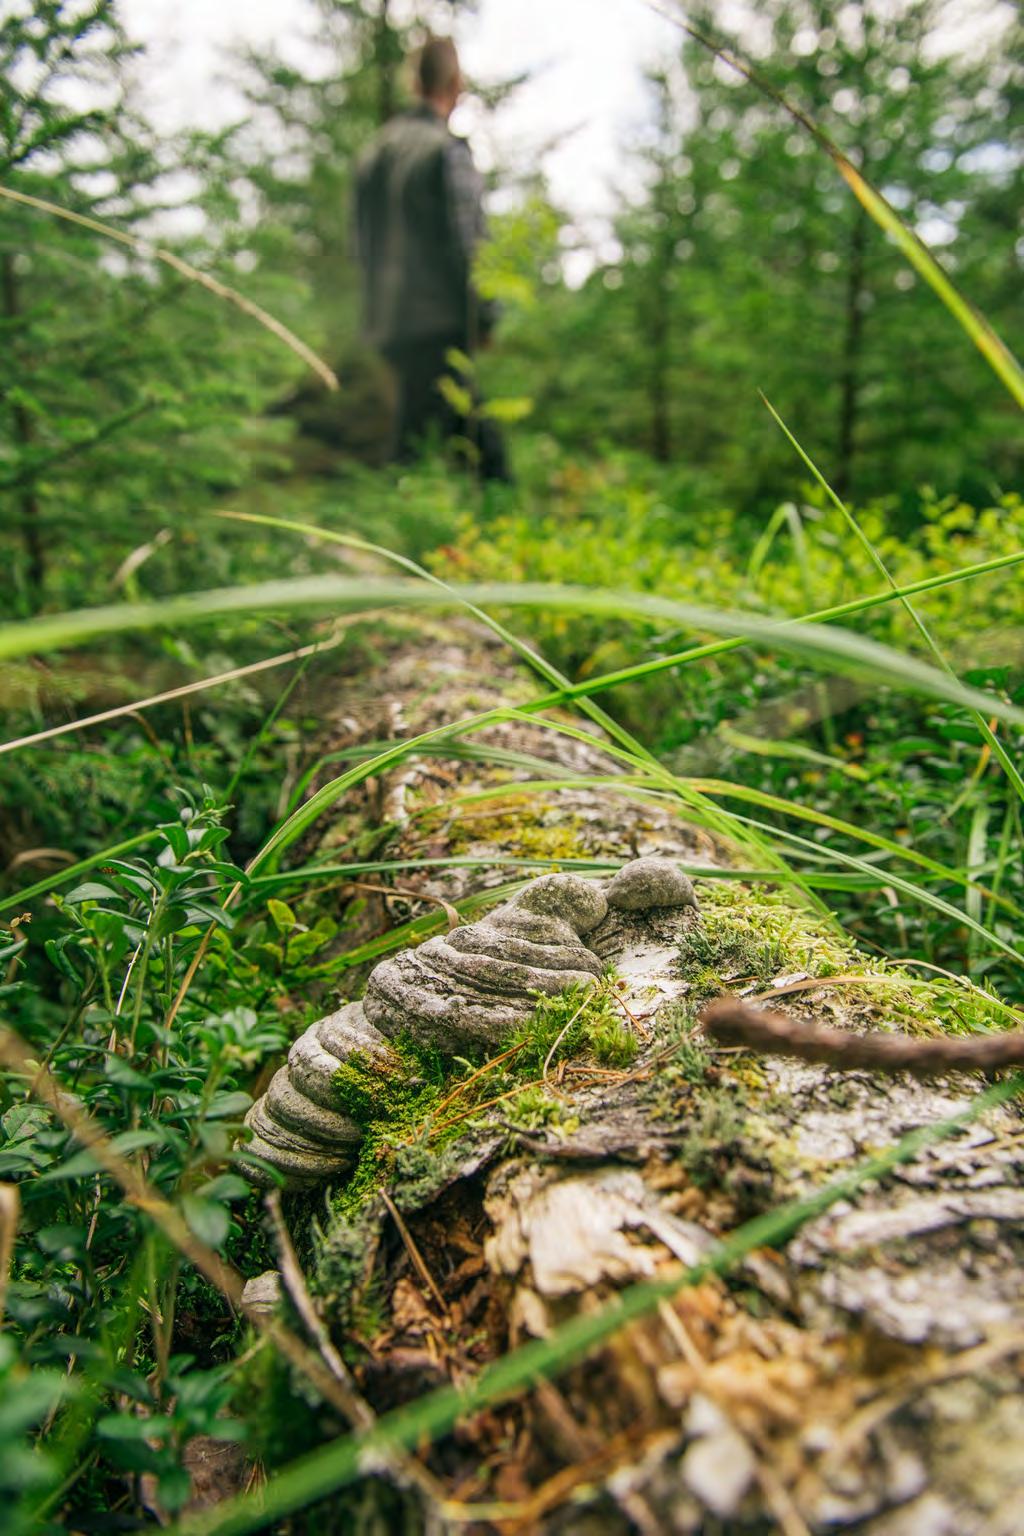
point(814, 643)
point(598, 684)
point(526, 652)
point(917, 893)
point(770, 802)
point(994, 350)
point(993, 743)
point(639, 670)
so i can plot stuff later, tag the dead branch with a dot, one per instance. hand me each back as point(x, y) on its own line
point(730, 1022)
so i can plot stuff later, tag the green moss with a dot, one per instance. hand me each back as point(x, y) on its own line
point(580, 1019)
point(712, 1138)
point(535, 1109)
point(394, 1103)
point(413, 1113)
point(754, 936)
point(690, 1061)
point(371, 1090)
point(520, 825)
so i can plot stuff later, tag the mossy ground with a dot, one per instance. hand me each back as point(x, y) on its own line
point(753, 937)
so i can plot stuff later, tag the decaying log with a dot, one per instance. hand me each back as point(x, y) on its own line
point(864, 1377)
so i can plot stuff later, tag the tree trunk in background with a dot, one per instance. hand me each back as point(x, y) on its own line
point(28, 500)
point(661, 436)
point(853, 337)
point(385, 53)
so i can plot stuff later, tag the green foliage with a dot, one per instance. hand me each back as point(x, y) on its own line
point(746, 263)
point(122, 387)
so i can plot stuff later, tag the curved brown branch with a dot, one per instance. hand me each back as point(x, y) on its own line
point(728, 1021)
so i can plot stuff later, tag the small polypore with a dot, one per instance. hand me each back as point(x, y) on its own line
point(465, 989)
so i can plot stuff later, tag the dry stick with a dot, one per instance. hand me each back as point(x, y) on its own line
point(405, 1468)
point(203, 683)
point(814, 983)
point(15, 1055)
point(640, 1027)
point(39, 856)
point(563, 1032)
point(359, 1412)
point(10, 1209)
point(488, 1066)
point(185, 269)
point(419, 1262)
point(537, 1082)
point(451, 913)
point(730, 1022)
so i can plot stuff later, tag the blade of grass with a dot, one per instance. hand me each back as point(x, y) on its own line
point(977, 847)
point(818, 645)
point(171, 694)
point(598, 684)
point(533, 658)
point(769, 802)
point(73, 871)
point(639, 670)
point(988, 735)
point(918, 893)
point(306, 873)
point(338, 1464)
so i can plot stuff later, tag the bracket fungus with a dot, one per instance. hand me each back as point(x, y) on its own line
point(467, 988)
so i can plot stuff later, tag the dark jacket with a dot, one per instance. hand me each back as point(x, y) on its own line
point(419, 219)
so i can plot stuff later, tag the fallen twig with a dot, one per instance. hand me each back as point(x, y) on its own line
point(418, 1261)
point(731, 1022)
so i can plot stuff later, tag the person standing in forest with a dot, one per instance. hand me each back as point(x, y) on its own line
point(419, 220)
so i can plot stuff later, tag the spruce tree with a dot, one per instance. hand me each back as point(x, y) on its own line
point(120, 382)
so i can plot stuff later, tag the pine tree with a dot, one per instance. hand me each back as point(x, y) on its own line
point(119, 381)
point(747, 264)
point(865, 364)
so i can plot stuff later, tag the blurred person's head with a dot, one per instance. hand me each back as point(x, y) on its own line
point(438, 77)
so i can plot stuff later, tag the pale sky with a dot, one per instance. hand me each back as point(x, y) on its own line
point(587, 94)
